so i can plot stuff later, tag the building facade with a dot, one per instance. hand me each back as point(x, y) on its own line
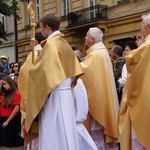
point(8, 48)
point(120, 20)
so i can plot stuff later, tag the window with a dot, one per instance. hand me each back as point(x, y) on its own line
point(3, 20)
point(28, 17)
point(92, 11)
point(65, 7)
point(37, 7)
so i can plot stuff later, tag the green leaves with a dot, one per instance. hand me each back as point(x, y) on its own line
point(7, 8)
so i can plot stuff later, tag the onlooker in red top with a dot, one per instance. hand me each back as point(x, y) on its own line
point(10, 114)
point(8, 110)
point(1, 96)
point(2, 75)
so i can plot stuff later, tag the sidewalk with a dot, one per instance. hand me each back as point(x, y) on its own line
point(12, 148)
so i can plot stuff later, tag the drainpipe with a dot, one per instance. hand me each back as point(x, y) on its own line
point(16, 37)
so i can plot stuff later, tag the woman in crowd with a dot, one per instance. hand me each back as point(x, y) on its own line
point(1, 96)
point(16, 75)
point(16, 67)
point(10, 113)
point(11, 72)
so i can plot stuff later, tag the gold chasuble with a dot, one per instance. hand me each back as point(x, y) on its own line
point(135, 106)
point(22, 86)
point(99, 82)
point(56, 63)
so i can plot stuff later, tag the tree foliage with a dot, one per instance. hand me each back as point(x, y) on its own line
point(7, 8)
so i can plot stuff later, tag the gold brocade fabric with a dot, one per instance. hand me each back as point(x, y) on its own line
point(22, 85)
point(56, 63)
point(99, 82)
point(136, 102)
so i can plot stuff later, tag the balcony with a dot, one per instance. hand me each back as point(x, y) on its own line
point(90, 14)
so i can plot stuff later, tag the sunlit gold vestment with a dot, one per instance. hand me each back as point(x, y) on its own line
point(23, 84)
point(56, 63)
point(135, 106)
point(99, 82)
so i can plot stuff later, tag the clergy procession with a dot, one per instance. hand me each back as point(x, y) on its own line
point(66, 102)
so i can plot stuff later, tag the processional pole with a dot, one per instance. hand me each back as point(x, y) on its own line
point(31, 11)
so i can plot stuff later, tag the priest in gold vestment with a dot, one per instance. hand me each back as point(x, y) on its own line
point(134, 116)
point(99, 82)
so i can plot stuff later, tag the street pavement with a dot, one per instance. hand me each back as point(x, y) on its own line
point(12, 148)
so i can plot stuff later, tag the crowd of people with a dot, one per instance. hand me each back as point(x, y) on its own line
point(61, 100)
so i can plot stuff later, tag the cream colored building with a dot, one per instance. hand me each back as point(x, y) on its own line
point(120, 20)
point(9, 47)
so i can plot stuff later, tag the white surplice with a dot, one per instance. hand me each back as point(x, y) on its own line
point(81, 111)
point(57, 124)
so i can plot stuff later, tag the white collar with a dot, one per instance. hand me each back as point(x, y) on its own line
point(54, 33)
